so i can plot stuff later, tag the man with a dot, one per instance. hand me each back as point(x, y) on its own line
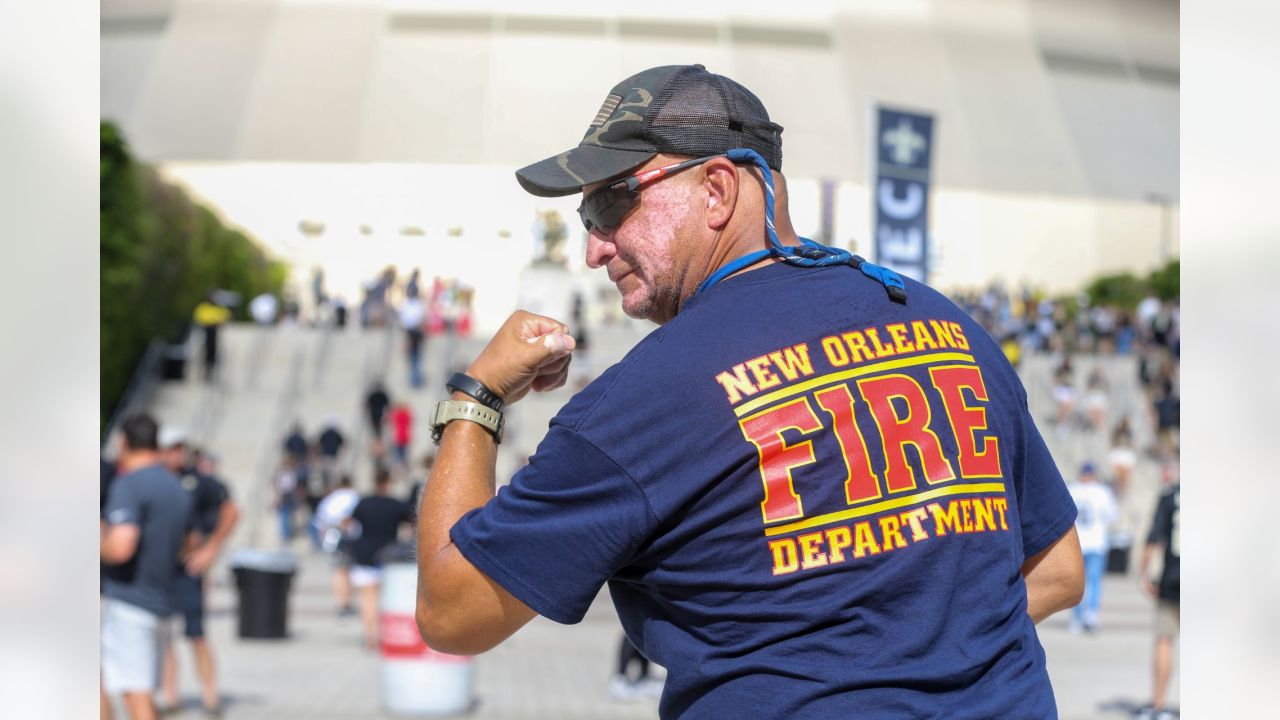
point(210, 315)
point(329, 516)
point(378, 517)
point(1164, 539)
point(144, 531)
point(1095, 511)
point(214, 516)
point(376, 404)
point(815, 491)
point(413, 317)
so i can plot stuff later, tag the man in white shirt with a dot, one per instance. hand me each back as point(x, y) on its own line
point(1096, 510)
point(330, 513)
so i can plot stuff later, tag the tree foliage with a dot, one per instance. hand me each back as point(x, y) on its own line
point(1126, 290)
point(160, 254)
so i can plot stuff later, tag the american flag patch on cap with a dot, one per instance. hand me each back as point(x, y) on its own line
point(610, 104)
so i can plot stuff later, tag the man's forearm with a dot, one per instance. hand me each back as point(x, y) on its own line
point(462, 479)
point(228, 516)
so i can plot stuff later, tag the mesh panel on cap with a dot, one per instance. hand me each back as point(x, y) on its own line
point(699, 113)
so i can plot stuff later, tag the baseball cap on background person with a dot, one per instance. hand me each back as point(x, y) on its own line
point(172, 437)
point(677, 109)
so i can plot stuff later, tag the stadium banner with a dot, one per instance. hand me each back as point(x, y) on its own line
point(904, 156)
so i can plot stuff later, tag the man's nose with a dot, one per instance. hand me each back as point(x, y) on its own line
point(600, 249)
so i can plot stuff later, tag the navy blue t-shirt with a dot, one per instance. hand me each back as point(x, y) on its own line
point(807, 501)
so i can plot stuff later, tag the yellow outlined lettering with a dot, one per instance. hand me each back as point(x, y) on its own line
point(838, 538)
point(944, 519)
point(943, 331)
point(891, 532)
point(843, 375)
point(882, 350)
point(1001, 505)
point(765, 378)
point(898, 331)
point(923, 337)
point(864, 540)
point(785, 558)
point(793, 361)
point(858, 350)
point(915, 518)
point(983, 515)
point(834, 348)
point(737, 384)
point(810, 554)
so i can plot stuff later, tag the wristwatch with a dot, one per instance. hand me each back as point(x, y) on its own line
point(446, 411)
point(467, 385)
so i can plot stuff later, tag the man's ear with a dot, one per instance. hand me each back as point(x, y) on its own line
point(722, 191)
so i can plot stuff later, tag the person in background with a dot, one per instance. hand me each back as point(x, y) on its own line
point(339, 312)
point(378, 517)
point(144, 535)
point(402, 429)
point(624, 686)
point(214, 516)
point(210, 316)
point(287, 489)
point(330, 514)
point(1095, 511)
point(263, 309)
point(376, 404)
point(413, 317)
point(1164, 539)
point(329, 444)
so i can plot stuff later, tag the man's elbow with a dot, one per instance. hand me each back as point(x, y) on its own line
point(447, 634)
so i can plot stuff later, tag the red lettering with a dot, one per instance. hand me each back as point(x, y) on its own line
point(777, 458)
point(898, 432)
point(860, 482)
point(967, 420)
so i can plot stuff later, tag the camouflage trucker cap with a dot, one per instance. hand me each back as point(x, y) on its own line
point(678, 109)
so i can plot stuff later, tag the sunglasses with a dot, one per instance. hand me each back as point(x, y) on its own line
point(606, 207)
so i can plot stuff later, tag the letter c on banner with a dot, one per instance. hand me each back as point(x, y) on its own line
point(907, 208)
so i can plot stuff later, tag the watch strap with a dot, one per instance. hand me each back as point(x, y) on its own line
point(446, 411)
point(464, 383)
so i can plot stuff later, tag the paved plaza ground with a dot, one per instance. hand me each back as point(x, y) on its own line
point(553, 672)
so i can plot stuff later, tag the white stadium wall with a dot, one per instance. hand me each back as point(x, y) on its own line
point(1056, 135)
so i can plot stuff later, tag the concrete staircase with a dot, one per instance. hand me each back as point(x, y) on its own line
point(272, 377)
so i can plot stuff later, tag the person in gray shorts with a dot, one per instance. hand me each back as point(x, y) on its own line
point(145, 528)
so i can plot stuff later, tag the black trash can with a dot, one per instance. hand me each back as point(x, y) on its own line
point(262, 579)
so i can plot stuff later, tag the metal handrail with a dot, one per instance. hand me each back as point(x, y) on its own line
point(268, 459)
point(141, 384)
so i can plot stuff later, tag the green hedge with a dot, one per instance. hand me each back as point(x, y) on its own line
point(1126, 290)
point(161, 254)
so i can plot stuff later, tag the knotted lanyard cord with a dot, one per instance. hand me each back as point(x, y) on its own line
point(809, 253)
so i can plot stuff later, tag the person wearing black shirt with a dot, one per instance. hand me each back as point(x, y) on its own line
point(377, 403)
point(379, 517)
point(1164, 538)
point(214, 516)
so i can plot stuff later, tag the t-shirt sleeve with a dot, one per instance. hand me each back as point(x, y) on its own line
point(1045, 505)
point(567, 522)
point(124, 503)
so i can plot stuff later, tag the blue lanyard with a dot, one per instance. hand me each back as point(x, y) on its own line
point(808, 253)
